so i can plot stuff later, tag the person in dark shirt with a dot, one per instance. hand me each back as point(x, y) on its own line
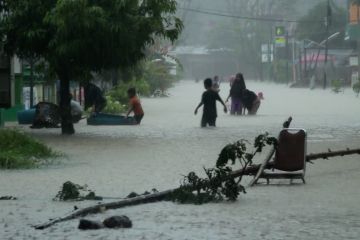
point(209, 99)
point(94, 98)
point(252, 101)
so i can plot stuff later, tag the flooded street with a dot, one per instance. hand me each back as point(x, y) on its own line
point(116, 160)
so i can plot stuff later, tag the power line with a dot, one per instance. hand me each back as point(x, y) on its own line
point(234, 29)
point(263, 19)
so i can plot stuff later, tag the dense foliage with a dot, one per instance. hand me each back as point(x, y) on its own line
point(157, 75)
point(19, 150)
point(77, 37)
point(113, 106)
point(218, 184)
point(312, 25)
point(117, 98)
point(75, 192)
point(336, 85)
point(245, 37)
point(149, 78)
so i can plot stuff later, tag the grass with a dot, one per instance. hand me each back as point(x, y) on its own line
point(19, 150)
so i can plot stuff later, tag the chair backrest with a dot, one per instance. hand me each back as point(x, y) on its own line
point(290, 153)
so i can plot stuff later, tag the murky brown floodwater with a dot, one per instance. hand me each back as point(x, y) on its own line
point(116, 160)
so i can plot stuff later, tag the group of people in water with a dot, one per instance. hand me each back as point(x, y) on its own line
point(242, 99)
point(95, 100)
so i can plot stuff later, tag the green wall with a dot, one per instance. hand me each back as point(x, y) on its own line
point(1, 117)
point(9, 115)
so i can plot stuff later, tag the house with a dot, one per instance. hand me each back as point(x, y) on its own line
point(201, 62)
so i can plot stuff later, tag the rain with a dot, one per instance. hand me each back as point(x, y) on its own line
point(298, 58)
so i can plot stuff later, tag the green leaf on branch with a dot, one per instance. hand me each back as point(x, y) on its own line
point(218, 185)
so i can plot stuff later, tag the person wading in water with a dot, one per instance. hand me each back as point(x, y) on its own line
point(209, 99)
point(236, 93)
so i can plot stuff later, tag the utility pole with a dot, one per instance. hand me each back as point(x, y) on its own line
point(327, 25)
point(293, 61)
point(271, 56)
point(305, 62)
point(358, 50)
point(287, 56)
point(301, 75)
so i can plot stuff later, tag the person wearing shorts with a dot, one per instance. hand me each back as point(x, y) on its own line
point(135, 106)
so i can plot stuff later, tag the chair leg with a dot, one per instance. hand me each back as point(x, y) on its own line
point(303, 179)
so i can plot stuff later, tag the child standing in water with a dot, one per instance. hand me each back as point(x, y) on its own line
point(216, 84)
point(135, 105)
point(209, 99)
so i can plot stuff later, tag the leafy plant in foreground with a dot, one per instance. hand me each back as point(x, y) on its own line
point(218, 184)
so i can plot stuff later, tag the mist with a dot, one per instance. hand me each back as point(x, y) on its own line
point(231, 33)
point(175, 113)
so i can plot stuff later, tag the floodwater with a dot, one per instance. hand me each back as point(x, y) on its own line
point(116, 160)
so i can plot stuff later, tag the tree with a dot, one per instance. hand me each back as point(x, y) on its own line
point(77, 37)
point(246, 36)
point(312, 25)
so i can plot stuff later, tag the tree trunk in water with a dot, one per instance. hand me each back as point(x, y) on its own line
point(31, 82)
point(67, 126)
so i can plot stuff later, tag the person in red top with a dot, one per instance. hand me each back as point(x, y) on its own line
point(135, 105)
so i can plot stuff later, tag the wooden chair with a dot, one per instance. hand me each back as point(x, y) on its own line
point(290, 157)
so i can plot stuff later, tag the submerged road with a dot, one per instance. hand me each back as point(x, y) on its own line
point(115, 160)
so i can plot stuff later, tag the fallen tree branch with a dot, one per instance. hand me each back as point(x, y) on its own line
point(111, 205)
point(159, 196)
point(330, 154)
point(154, 197)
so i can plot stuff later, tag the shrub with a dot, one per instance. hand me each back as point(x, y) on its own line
point(119, 93)
point(356, 88)
point(113, 106)
point(117, 98)
point(217, 185)
point(157, 74)
point(75, 192)
point(336, 85)
point(19, 150)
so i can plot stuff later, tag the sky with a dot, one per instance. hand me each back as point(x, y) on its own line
point(198, 25)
